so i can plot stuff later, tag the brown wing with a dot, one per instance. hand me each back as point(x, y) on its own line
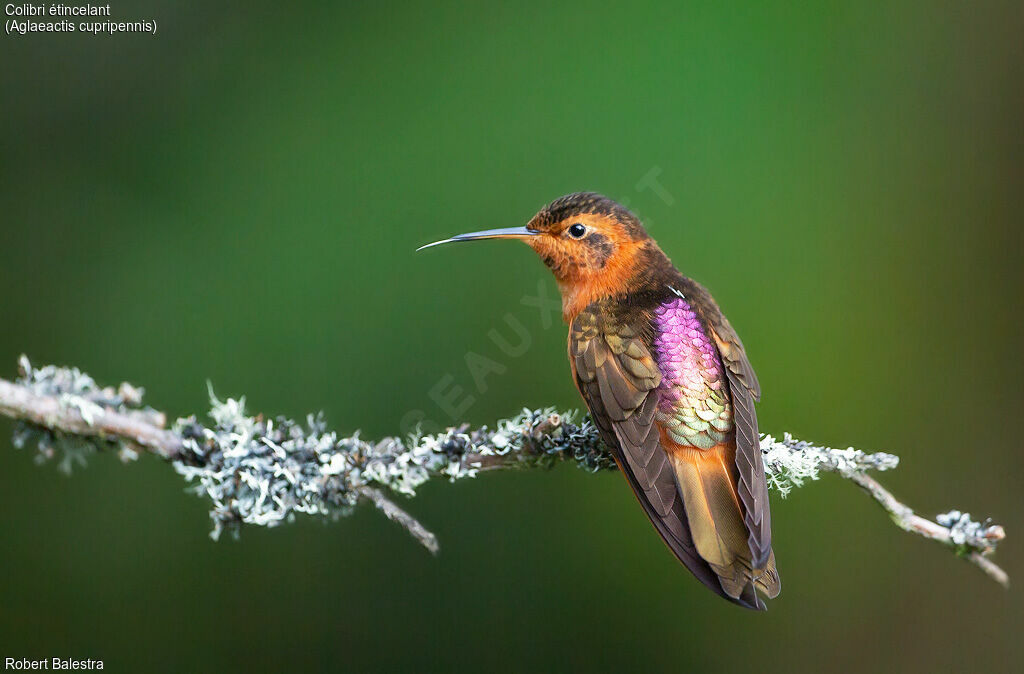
point(618, 379)
point(731, 348)
point(744, 389)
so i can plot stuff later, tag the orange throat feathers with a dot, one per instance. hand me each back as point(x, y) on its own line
point(585, 282)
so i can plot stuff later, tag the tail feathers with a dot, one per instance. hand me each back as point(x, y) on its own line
point(707, 481)
point(741, 581)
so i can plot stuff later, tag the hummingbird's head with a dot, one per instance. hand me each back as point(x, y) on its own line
point(594, 246)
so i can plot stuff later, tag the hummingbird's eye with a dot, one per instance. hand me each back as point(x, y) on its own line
point(577, 231)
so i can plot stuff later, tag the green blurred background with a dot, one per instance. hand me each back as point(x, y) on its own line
point(238, 198)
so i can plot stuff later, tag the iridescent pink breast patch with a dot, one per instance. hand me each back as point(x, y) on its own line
point(694, 405)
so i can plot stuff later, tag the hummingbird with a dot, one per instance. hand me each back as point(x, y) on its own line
point(668, 385)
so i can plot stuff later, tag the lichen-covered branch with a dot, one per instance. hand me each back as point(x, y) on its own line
point(264, 471)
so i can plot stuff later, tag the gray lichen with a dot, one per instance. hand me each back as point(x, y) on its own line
point(966, 532)
point(790, 462)
point(263, 472)
point(76, 390)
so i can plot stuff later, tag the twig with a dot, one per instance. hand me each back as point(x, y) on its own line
point(957, 530)
point(396, 514)
point(264, 472)
point(85, 418)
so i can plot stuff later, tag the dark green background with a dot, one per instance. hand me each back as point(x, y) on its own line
point(238, 198)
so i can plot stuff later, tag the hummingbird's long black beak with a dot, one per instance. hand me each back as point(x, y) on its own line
point(504, 233)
